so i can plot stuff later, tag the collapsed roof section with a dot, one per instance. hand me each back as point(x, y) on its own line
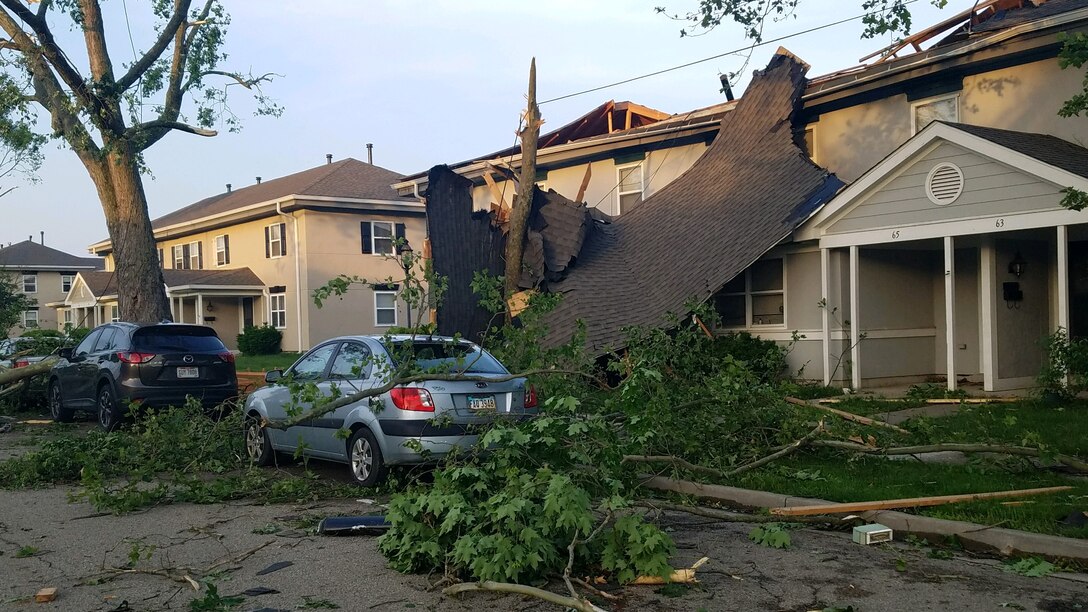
point(751, 188)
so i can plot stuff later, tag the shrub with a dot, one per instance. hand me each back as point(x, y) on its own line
point(1065, 372)
point(765, 358)
point(263, 340)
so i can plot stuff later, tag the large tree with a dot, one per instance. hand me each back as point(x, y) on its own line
point(98, 109)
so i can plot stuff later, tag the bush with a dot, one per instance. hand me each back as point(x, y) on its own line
point(765, 358)
point(263, 340)
point(1065, 373)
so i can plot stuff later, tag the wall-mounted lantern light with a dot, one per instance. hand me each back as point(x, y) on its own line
point(1017, 265)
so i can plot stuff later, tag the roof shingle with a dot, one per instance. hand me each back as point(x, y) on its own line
point(1043, 147)
point(30, 254)
point(105, 283)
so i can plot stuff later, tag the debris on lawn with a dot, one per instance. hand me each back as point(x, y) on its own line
point(912, 502)
point(874, 533)
point(275, 567)
point(353, 525)
point(45, 595)
point(680, 576)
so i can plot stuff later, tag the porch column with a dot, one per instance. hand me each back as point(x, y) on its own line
point(1063, 277)
point(855, 321)
point(950, 310)
point(825, 290)
point(181, 310)
point(97, 318)
point(988, 306)
point(199, 309)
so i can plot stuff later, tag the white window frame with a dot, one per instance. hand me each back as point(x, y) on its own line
point(748, 294)
point(115, 313)
point(194, 255)
point(619, 183)
point(392, 238)
point(274, 300)
point(178, 253)
point(216, 242)
point(26, 319)
point(275, 244)
point(396, 317)
point(914, 109)
point(33, 278)
point(68, 317)
point(67, 279)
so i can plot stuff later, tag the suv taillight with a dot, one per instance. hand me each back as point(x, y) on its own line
point(227, 356)
point(134, 357)
point(530, 397)
point(411, 398)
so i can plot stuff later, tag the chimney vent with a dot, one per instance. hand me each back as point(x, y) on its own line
point(258, 180)
point(725, 87)
point(43, 238)
point(328, 158)
point(228, 187)
point(370, 153)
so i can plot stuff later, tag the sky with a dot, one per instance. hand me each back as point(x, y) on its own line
point(425, 81)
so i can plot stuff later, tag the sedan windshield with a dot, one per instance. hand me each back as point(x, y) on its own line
point(446, 357)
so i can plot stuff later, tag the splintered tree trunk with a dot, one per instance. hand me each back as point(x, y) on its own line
point(141, 291)
point(519, 213)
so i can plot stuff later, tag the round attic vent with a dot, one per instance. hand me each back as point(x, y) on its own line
point(944, 184)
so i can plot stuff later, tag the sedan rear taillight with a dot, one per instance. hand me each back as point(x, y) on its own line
point(21, 362)
point(530, 397)
point(227, 356)
point(134, 357)
point(412, 398)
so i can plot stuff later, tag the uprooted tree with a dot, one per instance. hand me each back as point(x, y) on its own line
point(100, 115)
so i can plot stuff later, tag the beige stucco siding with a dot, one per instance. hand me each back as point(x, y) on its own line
point(989, 188)
point(48, 290)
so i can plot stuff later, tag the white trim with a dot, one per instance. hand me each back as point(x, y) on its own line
point(22, 283)
point(950, 310)
point(12, 267)
point(917, 103)
point(825, 291)
point(215, 244)
point(177, 252)
point(988, 305)
point(396, 313)
point(200, 309)
point(813, 335)
point(37, 319)
point(392, 239)
point(71, 282)
point(1063, 277)
point(641, 165)
point(195, 253)
point(855, 320)
point(929, 183)
point(271, 303)
point(177, 288)
point(275, 253)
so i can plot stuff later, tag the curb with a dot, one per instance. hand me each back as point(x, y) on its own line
point(975, 537)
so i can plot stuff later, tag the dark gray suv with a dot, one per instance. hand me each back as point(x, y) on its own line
point(145, 364)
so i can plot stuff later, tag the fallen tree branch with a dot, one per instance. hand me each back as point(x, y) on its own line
point(849, 416)
point(570, 558)
point(910, 502)
point(521, 589)
point(673, 460)
point(16, 374)
point(19, 386)
point(737, 517)
point(1023, 451)
point(792, 448)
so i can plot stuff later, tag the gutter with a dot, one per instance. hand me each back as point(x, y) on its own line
point(298, 275)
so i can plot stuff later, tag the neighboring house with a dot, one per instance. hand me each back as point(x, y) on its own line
point(951, 258)
point(255, 255)
point(44, 274)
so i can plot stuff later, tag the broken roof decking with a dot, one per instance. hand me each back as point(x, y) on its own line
point(750, 189)
point(32, 255)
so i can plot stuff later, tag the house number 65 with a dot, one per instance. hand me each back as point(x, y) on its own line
point(999, 223)
point(895, 235)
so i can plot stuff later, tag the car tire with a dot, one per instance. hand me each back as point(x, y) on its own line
point(258, 443)
point(109, 415)
point(57, 410)
point(365, 462)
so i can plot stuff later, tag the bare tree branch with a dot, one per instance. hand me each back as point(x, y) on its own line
point(240, 79)
point(160, 124)
point(50, 50)
point(169, 30)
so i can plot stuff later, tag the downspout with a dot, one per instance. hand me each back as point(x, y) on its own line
point(298, 276)
point(432, 310)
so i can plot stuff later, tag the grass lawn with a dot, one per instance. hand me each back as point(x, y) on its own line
point(264, 363)
point(844, 477)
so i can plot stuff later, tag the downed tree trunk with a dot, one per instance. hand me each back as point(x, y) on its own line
point(910, 502)
point(16, 374)
point(1023, 451)
point(523, 202)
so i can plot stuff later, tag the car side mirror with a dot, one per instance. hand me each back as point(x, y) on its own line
point(272, 376)
point(65, 353)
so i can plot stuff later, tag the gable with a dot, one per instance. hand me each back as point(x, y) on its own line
point(989, 188)
point(80, 295)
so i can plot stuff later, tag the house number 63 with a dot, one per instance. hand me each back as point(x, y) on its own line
point(999, 223)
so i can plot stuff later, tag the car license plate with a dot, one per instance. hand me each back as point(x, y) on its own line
point(481, 403)
point(188, 372)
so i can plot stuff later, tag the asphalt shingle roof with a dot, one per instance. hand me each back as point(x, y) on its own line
point(750, 189)
point(347, 178)
point(29, 254)
point(105, 283)
point(1043, 147)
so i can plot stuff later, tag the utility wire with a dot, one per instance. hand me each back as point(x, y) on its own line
point(713, 57)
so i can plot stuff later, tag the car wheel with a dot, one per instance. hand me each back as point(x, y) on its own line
point(109, 417)
point(258, 443)
point(365, 458)
point(57, 410)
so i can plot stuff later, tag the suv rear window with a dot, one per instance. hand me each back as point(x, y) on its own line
point(186, 339)
point(448, 356)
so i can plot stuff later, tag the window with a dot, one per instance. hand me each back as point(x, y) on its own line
point(312, 366)
point(161, 264)
point(115, 313)
point(196, 256)
point(352, 361)
point(88, 343)
point(179, 257)
point(277, 310)
point(222, 250)
point(754, 298)
point(381, 237)
point(274, 243)
point(30, 282)
point(66, 281)
point(629, 186)
point(385, 308)
point(934, 109)
point(30, 319)
point(67, 317)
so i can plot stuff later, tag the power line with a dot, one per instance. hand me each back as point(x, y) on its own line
point(713, 57)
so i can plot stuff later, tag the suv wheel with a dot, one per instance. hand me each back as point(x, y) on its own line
point(365, 458)
point(258, 444)
point(109, 418)
point(57, 410)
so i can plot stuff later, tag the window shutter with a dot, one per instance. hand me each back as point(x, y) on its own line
point(267, 243)
point(226, 249)
point(364, 233)
point(283, 239)
point(400, 233)
point(185, 256)
point(162, 262)
point(200, 256)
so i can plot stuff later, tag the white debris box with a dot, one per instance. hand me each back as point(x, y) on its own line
point(872, 534)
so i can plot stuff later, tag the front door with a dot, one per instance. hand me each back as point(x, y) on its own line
point(247, 312)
